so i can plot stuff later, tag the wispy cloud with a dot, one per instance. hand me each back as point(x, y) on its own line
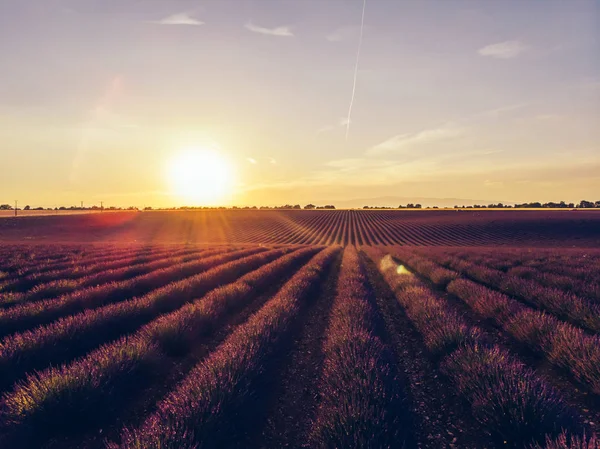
point(252, 160)
point(403, 142)
point(503, 183)
point(281, 31)
point(503, 50)
point(325, 129)
point(342, 121)
point(179, 19)
point(343, 34)
point(504, 109)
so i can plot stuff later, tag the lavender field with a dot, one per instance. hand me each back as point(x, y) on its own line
point(190, 346)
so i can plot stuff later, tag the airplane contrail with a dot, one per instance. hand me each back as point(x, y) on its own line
point(362, 24)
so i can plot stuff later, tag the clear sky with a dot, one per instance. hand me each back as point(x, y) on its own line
point(495, 100)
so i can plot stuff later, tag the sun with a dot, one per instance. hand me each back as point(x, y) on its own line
point(200, 176)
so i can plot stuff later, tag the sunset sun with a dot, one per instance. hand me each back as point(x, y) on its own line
point(200, 176)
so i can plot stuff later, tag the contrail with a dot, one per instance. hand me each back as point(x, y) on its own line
point(362, 23)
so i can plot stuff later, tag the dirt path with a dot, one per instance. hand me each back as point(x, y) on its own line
point(294, 392)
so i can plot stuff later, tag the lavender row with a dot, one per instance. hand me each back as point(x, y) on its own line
point(73, 336)
point(77, 258)
point(98, 385)
point(35, 280)
point(561, 272)
point(564, 305)
point(19, 259)
point(576, 272)
point(516, 407)
point(566, 441)
point(63, 286)
point(41, 268)
point(563, 344)
point(362, 402)
point(587, 289)
point(26, 316)
point(203, 410)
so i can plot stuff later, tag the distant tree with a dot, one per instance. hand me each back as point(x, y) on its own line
point(39, 208)
point(597, 204)
point(310, 206)
point(28, 207)
point(5, 207)
point(410, 206)
point(418, 206)
point(583, 204)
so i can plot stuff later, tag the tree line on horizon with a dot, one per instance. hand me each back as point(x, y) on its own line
point(583, 204)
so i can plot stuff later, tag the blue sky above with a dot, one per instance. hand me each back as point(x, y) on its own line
point(486, 100)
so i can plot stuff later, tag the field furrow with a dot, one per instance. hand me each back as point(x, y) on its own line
point(33, 350)
point(63, 285)
point(150, 350)
point(26, 316)
point(203, 409)
point(516, 406)
point(562, 345)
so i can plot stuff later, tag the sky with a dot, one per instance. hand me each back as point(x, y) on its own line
point(490, 100)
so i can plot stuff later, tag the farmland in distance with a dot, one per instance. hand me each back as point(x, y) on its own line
point(468, 227)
